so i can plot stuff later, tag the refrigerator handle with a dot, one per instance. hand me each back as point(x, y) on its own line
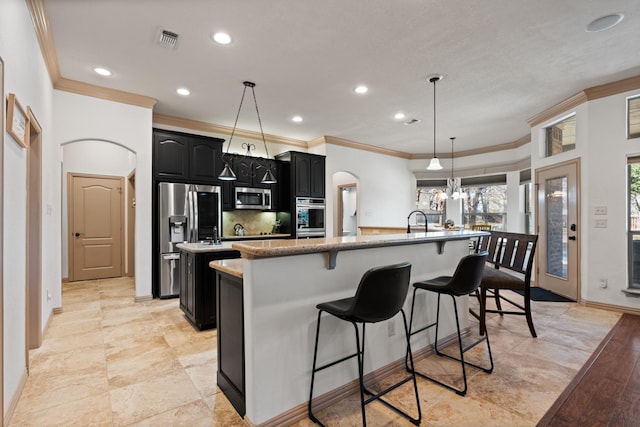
point(194, 205)
point(190, 208)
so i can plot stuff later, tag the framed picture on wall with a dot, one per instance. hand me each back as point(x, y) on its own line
point(16, 120)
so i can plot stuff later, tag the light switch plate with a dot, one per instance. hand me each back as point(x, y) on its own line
point(601, 223)
point(600, 210)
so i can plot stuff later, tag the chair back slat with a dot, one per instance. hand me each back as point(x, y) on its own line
point(517, 251)
point(493, 248)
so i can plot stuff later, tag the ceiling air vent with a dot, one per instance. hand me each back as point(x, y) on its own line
point(168, 39)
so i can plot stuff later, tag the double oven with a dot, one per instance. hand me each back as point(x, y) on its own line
point(310, 217)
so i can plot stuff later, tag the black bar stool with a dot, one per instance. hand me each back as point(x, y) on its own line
point(381, 293)
point(464, 281)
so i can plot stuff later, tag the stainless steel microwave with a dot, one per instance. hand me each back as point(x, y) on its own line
point(253, 198)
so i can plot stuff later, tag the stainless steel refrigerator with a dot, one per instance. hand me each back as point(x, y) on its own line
point(186, 213)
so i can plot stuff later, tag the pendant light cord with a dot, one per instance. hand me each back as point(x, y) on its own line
point(235, 124)
point(452, 173)
point(434, 80)
point(259, 121)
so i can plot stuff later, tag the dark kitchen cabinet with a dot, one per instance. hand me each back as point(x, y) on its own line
point(198, 286)
point(249, 172)
point(230, 336)
point(181, 157)
point(205, 164)
point(307, 174)
point(170, 156)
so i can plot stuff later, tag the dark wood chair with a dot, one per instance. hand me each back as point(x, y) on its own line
point(509, 266)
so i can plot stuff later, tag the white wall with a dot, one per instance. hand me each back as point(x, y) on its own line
point(386, 188)
point(98, 158)
point(26, 76)
point(81, 118)
point(602, 146)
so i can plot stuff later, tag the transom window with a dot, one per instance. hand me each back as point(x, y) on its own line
point(561, 136)
point(633, 117)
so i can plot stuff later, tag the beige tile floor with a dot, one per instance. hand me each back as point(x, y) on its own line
point(108, 361)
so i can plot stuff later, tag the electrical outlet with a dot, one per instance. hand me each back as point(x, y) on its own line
point(600, 210)
point(392, 328)
point(603, 283)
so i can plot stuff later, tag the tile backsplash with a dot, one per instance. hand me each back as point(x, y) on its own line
point(254, 222)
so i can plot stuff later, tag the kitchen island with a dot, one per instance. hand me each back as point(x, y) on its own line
point(281, 283)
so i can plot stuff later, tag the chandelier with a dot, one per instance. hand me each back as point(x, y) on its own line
point(227, 173)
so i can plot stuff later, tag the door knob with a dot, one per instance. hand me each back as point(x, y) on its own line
point(78, 234)
point(572, 237)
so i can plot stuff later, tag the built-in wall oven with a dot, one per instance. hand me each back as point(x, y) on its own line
point(310, 216)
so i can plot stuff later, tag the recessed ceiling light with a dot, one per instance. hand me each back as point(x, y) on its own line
point(604, 23)
point(361, 89)
point(399, 116)
point(221, 38)
point(102, 71)
point(296, 119)
point(183, 91)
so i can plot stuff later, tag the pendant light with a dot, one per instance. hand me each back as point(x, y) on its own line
point(434, 164)
point(453, 187)
point(227, 173)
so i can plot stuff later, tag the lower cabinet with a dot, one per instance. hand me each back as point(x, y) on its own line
point(198, 286)
point(230, 377)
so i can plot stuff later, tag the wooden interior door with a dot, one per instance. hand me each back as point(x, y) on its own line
point(95, 226)
point(559, 228)
point(34, 234)
point(131, 222)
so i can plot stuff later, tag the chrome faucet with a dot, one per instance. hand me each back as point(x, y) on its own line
point(425, 220)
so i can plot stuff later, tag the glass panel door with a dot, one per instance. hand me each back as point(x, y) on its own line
point(556, 212)
point(558, 229)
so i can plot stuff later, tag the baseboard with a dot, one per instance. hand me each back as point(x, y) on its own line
point(611, 307)
point(46, 327)
point(299, 413)
point(13, 403)
point(144, 298)
point(57, 310)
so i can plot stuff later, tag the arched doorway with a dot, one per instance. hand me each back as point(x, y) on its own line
point(110, 160)
point(346, 215)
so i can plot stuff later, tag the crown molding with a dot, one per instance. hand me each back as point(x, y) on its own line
point(524, 140)
point(180, 122)
point(585, 95)
point(614, 88)
point(102, 92)
point(42, 28)
point(364, 147)
point(518, 165)
point(567, 104)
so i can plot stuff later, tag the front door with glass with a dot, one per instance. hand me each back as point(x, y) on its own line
point(558, 229)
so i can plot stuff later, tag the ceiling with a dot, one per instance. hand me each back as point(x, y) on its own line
point(503, 62)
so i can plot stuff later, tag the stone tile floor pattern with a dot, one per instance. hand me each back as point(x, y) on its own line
point(108, 361)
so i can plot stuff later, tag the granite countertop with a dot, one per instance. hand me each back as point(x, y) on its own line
point(229, 266)
point(256, 237)
point(204, 247)
point(277, 248)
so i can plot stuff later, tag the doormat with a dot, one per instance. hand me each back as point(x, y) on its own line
point(539, 294)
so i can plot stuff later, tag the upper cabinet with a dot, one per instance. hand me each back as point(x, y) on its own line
point(182, 157)
point(307, 173)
